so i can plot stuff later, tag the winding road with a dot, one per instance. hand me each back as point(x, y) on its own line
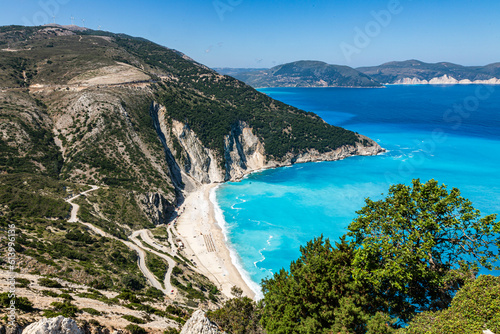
point(136, 245)
point(144, 234)
point(75, 207)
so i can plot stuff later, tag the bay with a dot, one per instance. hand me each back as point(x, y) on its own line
point(447, 133)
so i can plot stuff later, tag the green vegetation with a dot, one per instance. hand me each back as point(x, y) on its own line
point(306, 73)
point(74, 254)
point(157, 266)
point(21, 303)
point(419, 245)
point(66, 296)
point(476, 307)
point(317, 294)
point(32, 196)
point(22, 282)
point(133, 282)
point(133, 319)
point(135, 329)
point(91, 311)
point(119, 206)
point(282, 128)
point(47, 282)
point(238, 316)
point(66, 309)
point(154, 293)
point(49, 293)
point(171, 330)
point(410, 258)
point(27, 146)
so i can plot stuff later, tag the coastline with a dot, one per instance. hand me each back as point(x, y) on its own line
point(201, 226)
point(206, 244)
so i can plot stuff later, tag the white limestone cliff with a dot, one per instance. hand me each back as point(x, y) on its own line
point(192, 164)
point(445, 80)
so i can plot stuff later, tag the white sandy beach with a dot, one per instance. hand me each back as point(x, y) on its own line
point(205, 242)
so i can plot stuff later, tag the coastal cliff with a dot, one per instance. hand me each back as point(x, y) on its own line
point(445, 80)
point(148, 128)
point(193, 164)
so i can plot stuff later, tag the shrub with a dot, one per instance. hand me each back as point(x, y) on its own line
point(474, 308)
point(91, 311)
point(131, 318)
point(132, 282)
point(50, 293)
point(22, 303)
point(66, 309)
point(154, 293)
point(47, 282)
point(134, 329)
point(22, 282)
point(66, 296)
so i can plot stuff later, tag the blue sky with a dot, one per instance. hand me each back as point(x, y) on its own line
point(264, 33)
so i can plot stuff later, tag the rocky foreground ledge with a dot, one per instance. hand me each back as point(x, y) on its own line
point(197, 324)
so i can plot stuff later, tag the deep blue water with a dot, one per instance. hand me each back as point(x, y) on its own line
point(447, 133)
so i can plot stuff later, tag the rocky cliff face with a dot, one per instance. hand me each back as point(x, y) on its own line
point(445, 80)
point(192, 164)
point(156, 206)
point(199, 324)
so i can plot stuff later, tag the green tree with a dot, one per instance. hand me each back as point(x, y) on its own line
point(318, 294)
point(419, 245)
point(239, 315)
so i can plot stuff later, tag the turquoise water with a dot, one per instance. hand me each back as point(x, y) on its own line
point(449, 133)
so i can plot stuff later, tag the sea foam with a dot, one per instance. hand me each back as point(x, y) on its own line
point(219, 217)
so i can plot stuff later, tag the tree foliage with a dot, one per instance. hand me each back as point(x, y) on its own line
point(419, 245)
point(318, 294)
point(239, 315)
point(403, 255)
point(475, 307)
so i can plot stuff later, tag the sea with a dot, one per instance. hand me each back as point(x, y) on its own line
point(448, 133)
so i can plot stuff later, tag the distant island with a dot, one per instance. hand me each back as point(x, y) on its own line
point(319, 74)
point(304, 73)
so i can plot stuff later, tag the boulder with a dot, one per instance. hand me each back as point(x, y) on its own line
point(199, 324)
point(58, 325)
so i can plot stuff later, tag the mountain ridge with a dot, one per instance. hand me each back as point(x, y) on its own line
point(304, 73)
point(411, 71)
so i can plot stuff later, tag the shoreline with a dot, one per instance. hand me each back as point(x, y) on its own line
point(206, 244)
point(235, 260)
point(201, 227)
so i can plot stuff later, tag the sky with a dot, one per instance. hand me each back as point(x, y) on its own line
point(265, 33)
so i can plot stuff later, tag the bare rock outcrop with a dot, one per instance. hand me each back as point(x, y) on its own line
point(199, 324)
point(58, 325)
point(156, 206)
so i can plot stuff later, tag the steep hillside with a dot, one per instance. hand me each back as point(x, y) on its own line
point(419, 72)
point(304, 73)
point(107, 99)
point(144, 125)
